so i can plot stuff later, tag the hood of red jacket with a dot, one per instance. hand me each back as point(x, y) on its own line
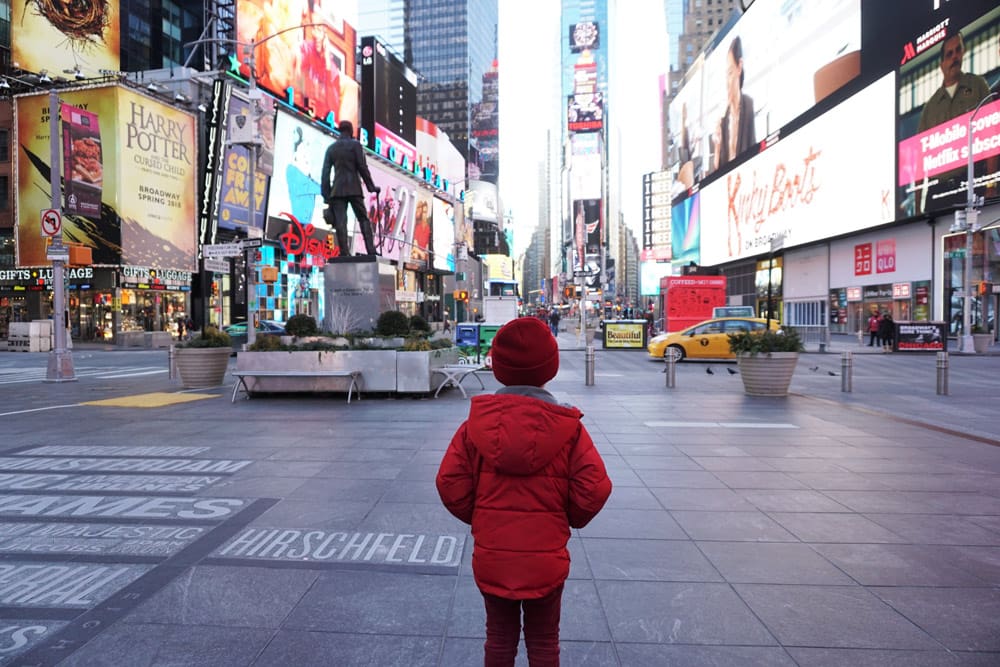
point(519, 435)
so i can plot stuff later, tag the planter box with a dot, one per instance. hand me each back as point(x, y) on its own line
point(378, 368)
point(767, 373)
point(413, 369)
point(202, 366)
point(981, 342)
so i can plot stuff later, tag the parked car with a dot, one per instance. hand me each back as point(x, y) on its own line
point(705, 340)
point(238, 331)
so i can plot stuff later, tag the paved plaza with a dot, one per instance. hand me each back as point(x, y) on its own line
point(146, 525)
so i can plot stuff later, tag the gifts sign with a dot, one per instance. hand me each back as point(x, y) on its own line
point(83, 170)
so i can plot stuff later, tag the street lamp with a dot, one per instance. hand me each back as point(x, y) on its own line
point(970, 226)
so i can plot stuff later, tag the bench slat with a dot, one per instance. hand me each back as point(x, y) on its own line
point(242, 375)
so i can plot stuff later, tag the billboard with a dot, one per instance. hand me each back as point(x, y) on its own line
point(422, 228)
point(584, 35)
point(796, 189)
point(148, 171)
point(299, 149)
point(585, 104)
point(311, 68)
point(587, 232)
point(649, 277)
point(585, 169)
point(57, 37)
point(773, 65)
point(443, 244)
point(234, 198)
point(392, 212)
point(482, 201)
point(685, 230)
point(389, 106)
point(946, 72)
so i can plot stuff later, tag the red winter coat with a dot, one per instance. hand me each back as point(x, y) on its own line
point(523, 471)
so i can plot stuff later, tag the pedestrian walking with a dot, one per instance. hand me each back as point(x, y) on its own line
point(522, 470)
point(873, 340)
point(554, 322)
point(886, 331)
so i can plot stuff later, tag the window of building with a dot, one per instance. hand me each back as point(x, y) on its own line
point(4, 145)
point(4, 193)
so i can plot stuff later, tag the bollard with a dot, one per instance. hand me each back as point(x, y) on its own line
point(588, 362)
point(671, 369)
point(846, 371)
point(942, 373)
point(171, 370)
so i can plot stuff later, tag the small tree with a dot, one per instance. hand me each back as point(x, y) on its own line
point(419, 324)
point(392, 323)
point(343, 319)
point(301, 325)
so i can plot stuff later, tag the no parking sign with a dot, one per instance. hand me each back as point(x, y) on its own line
point(51, 223)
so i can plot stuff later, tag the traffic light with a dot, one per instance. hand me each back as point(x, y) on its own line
point(461, 295)
point(983, 288)
point(331, 244)
point(569, 292)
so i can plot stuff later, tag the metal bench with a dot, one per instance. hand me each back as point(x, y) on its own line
point(241, 377)
point(454, 374)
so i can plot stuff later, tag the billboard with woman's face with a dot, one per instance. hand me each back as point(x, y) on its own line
point(299, 149)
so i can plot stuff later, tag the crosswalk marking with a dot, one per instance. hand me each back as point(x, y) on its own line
point(23, 375)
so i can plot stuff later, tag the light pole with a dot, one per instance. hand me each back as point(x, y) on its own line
point(970, 226)
point(60, 366)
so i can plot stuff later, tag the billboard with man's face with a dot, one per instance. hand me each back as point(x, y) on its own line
point(146, 175)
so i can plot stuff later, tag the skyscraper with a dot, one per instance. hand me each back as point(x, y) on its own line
point(451, 44)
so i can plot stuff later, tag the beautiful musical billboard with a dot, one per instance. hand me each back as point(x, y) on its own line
point(796, 190)
point(146, 173)
point(60, 38)
point(309, 67)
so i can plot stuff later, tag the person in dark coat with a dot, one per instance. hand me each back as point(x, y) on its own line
point(522, 470)
point(346, 158)
point(886, 331)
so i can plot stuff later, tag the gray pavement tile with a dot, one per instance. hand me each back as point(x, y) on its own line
point(895, 565)
point(731, 526)
point(791, 455)
point(657, 655)
point(425, 457)
point(828, 527)
point(423, 491)
point(937, 529)
point(360, 470)
point(758, 480)
point(468, 615)
point(297, 469)
point(983, 562)
point(685, 479)
point(422, 472)
point(771, 563)
point(831, 617)
point(711, 449)
point(244, 597)
point(648, 560)
point(621, 476)
point(377, 603)
point(632, 497)
point(163, 644)
point(894, 465)
point(733, 463)
point(838, 481)
point(654, 450)
point(645, 524)
point(326, 490)
point(339, 515)
point(661, 462)
point(255, 487)
point(387, 456)
point(963, 619)
point(408, 517)
point(936, 481)
point(782, 500)
point(894, 502)
point(858, 657)
point(988, 522)
point(702, 499)
point(679, 613)
point(321, 649)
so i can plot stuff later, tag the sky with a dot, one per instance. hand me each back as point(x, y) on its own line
point(530, 43)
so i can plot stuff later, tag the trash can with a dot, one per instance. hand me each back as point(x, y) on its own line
point(467, 340)
point(486, 334)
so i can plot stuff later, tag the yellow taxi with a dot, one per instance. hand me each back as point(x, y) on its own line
point(705, 340)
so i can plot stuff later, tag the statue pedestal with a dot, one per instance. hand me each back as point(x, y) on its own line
point(357, 291)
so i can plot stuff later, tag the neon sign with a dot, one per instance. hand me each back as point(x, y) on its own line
point(299, 240)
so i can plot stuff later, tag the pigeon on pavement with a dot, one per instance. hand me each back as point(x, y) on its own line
point(708, 369)
point(730, 371)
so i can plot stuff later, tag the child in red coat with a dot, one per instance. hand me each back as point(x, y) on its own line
point(522, 470)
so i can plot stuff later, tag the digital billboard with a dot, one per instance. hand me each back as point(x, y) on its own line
point(949, 64)
point(584, 35)
point(585, 104)
point(796, 189)
point(392, 212)
point(147, 170)
point(310, 68)
point(59, 38)
point(443, 243)
point(389, 92)
point(299, 149)
point(685, 230)
point(587, 229)
point(423, 224)
point(234, 197)
point(482, 201)
point(585, 169)
point(773, 65)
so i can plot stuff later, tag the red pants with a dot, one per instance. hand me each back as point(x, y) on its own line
point(541, 629)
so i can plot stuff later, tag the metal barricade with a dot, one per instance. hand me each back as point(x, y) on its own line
point(846, 372)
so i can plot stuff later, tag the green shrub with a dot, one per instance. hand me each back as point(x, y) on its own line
point(756, 342)
point(418, 323)
point(441, 343)
point(266, 343)
point(210, 337)
point(301, 325)
point(416, 345)
point(392, 323)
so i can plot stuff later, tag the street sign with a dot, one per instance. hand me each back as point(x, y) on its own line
point(222, 250)
point(57, 253)
point(51, 223)
point(583, 273)
point(246, 244)
point(216, 265)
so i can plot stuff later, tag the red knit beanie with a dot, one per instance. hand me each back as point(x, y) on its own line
point(525, 352)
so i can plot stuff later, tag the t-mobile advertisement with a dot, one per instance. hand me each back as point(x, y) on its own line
point(797, 189)
point(948, 68)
